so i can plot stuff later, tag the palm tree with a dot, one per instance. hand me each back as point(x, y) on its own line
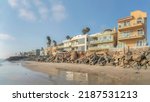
point(48, 41)
point(85, 30)
point(68, 37)
point(55, 43)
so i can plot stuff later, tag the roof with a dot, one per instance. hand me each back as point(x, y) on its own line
point(125, 19)
point(107, 30)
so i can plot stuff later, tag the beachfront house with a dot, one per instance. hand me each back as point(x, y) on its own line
point(76, 43)
point(132, 30)
point(104, 40)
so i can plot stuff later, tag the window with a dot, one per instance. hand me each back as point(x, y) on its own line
point(87, 39)
point(122, 45)
point(99, 38)
point(139, 20)
point(126, 23)
point(104, 38)
point(110, 37)
point(140, 32)
point(125, 34)
point(119, 25)
point(81, 41)
point(140, 43)
point(82, 48)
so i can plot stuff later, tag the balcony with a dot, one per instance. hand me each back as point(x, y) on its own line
point(125, 19)
point(66, 46)
point(130, 27)
point(60, 47)
point(130, 36)
point(74, 45)
point(101, 41)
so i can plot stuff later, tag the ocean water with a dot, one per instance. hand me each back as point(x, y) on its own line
point(13, 73)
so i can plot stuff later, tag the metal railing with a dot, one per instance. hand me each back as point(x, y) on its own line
point(130, 25)
point(100, 41)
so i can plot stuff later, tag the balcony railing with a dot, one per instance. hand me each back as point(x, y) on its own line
point(65, 46)
point(100, 41)
point(59, 47)
point(122, 27)
point(130, 36)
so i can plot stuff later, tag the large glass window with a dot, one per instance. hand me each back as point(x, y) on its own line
point(81, 41)
point(110, 37)
point(82, 48)
point(140, 32)
point(99, 38)
point(140, 43)
point(125, 34)
point(126, 23)
point(120, 25)
point(139, 20)
point(121, 45)
point(105, 37)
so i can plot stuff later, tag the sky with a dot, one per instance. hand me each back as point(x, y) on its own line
point(24, 24)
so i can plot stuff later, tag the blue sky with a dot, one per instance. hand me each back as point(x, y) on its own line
point(24, 24)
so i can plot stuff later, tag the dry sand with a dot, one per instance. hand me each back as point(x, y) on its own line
point(105, 74)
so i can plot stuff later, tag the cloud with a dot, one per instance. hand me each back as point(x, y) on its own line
point(38, 2)
point(43, 11)
point(27, 14)
point(6, 37)
point(33, 10)
point(23, 8)
point(59, 12)
point(18, 3)
point(13, 3)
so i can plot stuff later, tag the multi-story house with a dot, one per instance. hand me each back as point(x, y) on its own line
point(104, 40)
point(76, 43)
point(132, 30)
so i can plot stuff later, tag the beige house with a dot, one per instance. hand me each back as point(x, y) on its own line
point(76, 43)
point(104, 40)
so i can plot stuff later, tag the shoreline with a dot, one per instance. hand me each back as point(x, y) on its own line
point(37, 66)
point(121, 76)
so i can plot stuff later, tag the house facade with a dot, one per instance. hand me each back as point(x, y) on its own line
point(98, 41)
point(76, 43)
point(132, 30)
point(103, 40)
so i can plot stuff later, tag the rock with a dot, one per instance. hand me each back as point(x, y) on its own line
point(134, 58)
point(74, 55)
point(148, 56)
point(144, 62)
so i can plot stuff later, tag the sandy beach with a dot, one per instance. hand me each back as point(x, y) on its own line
point(107, 75)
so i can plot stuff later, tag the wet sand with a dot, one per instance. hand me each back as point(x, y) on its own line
point(13, 73)
point(106, 75)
